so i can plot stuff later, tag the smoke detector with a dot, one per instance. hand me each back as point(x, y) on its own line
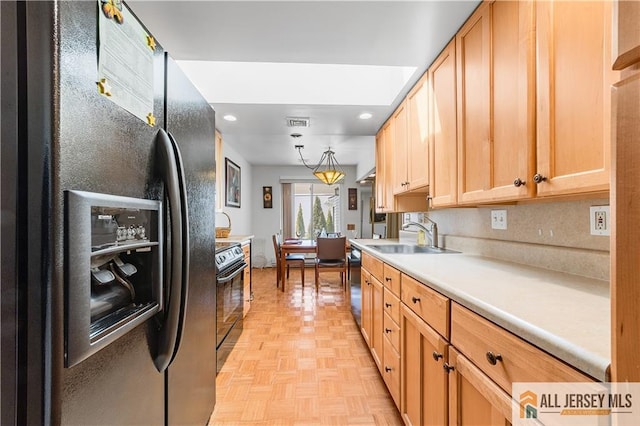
point(297, 121)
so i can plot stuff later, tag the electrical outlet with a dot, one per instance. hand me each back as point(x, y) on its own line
point(599, 219)
point(498, 219)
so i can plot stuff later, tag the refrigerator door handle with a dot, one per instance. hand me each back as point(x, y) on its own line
point(173, 177)
point(184, 287)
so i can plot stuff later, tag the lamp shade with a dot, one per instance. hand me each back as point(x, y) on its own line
point(328, 170)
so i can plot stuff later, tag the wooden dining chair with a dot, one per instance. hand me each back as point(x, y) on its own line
point(331, 256)
point(295, 259)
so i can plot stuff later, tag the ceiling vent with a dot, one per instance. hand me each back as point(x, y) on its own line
point(297, 121)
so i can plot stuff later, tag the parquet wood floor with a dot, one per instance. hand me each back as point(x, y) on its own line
point(301, 360)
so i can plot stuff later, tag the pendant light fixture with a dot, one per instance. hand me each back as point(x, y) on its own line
point(328, 169)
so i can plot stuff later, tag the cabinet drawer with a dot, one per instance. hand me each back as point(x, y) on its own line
point(391, 279)
point(373, 265)
point(392, 305)
point(392, 332)
point(430, 305)
point(391, 371)
point(503, 356)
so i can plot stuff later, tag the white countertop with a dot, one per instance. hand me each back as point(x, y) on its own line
point(242, 239)
point(566, 315)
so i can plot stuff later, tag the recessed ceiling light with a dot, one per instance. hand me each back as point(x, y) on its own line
point(365, 116)
point(230, 117)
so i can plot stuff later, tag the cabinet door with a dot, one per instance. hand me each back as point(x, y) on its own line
point(473, 51)
point(377, 322)
point(388, 164)
point(496, 103)
point(424, 381)
point(473, 398)
point(418, 134)
point(400, 176)
point(365, 311)
point(625, 243)
point(380, 177)
point(573, 96)
point(442, 129)
point(626, 41)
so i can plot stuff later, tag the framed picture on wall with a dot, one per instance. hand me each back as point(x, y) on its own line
point(232, 183)
point(353, 199)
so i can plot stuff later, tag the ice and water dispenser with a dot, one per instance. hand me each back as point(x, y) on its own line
point(113, 269)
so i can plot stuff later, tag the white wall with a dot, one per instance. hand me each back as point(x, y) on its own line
point(366, 160)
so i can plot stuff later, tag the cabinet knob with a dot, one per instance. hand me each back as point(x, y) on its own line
point(446, 367)
point(537, 178)
point(493, 358)
point(436, 355)
point(387, 369)
point(387, 279)
point(387, 330)
point(518, 182)
point(415, 299)
point(388, 305)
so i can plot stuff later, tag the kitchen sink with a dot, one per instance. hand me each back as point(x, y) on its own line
point(410, 249)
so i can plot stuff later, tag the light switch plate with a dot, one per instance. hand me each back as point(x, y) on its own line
point(498, 219)
point(600, 220)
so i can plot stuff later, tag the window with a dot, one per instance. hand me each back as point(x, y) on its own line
point(316, 206)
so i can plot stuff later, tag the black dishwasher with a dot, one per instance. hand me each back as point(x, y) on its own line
point(354, 282)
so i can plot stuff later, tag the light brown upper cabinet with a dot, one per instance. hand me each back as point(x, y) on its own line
point(496, 103)
point(574, 81)
point(442, 129)
point(626, 43)
point(412, 140)
point(384, 167)
point(400, 149)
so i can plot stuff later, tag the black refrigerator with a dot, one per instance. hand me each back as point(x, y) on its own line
point(62, 134)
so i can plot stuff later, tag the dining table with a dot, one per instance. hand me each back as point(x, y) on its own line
point(293, 245)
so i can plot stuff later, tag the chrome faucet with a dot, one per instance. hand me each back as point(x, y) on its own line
point(432, 231)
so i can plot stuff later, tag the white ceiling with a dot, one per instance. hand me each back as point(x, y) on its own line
point(380, 33)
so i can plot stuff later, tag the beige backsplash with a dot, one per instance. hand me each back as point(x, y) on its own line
point(551, 235)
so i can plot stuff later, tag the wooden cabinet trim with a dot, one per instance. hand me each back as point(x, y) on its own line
point(626, 34)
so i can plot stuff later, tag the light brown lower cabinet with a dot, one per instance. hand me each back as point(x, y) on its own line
point(372, 315)
point(365, 313)
point(475, 399)
point(424, 380)
point(377, 322)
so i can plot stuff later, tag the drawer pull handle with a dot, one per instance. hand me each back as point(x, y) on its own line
point(387, 279)
point(388, 369)
point(518, 182)
point(387, 330)
point(493, 358)
point(388, 305)
point(436, 355)
point(415, 299)
point(538, 178)
point(446, 367)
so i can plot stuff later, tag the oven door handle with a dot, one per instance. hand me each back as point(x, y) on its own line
point(226, 279)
